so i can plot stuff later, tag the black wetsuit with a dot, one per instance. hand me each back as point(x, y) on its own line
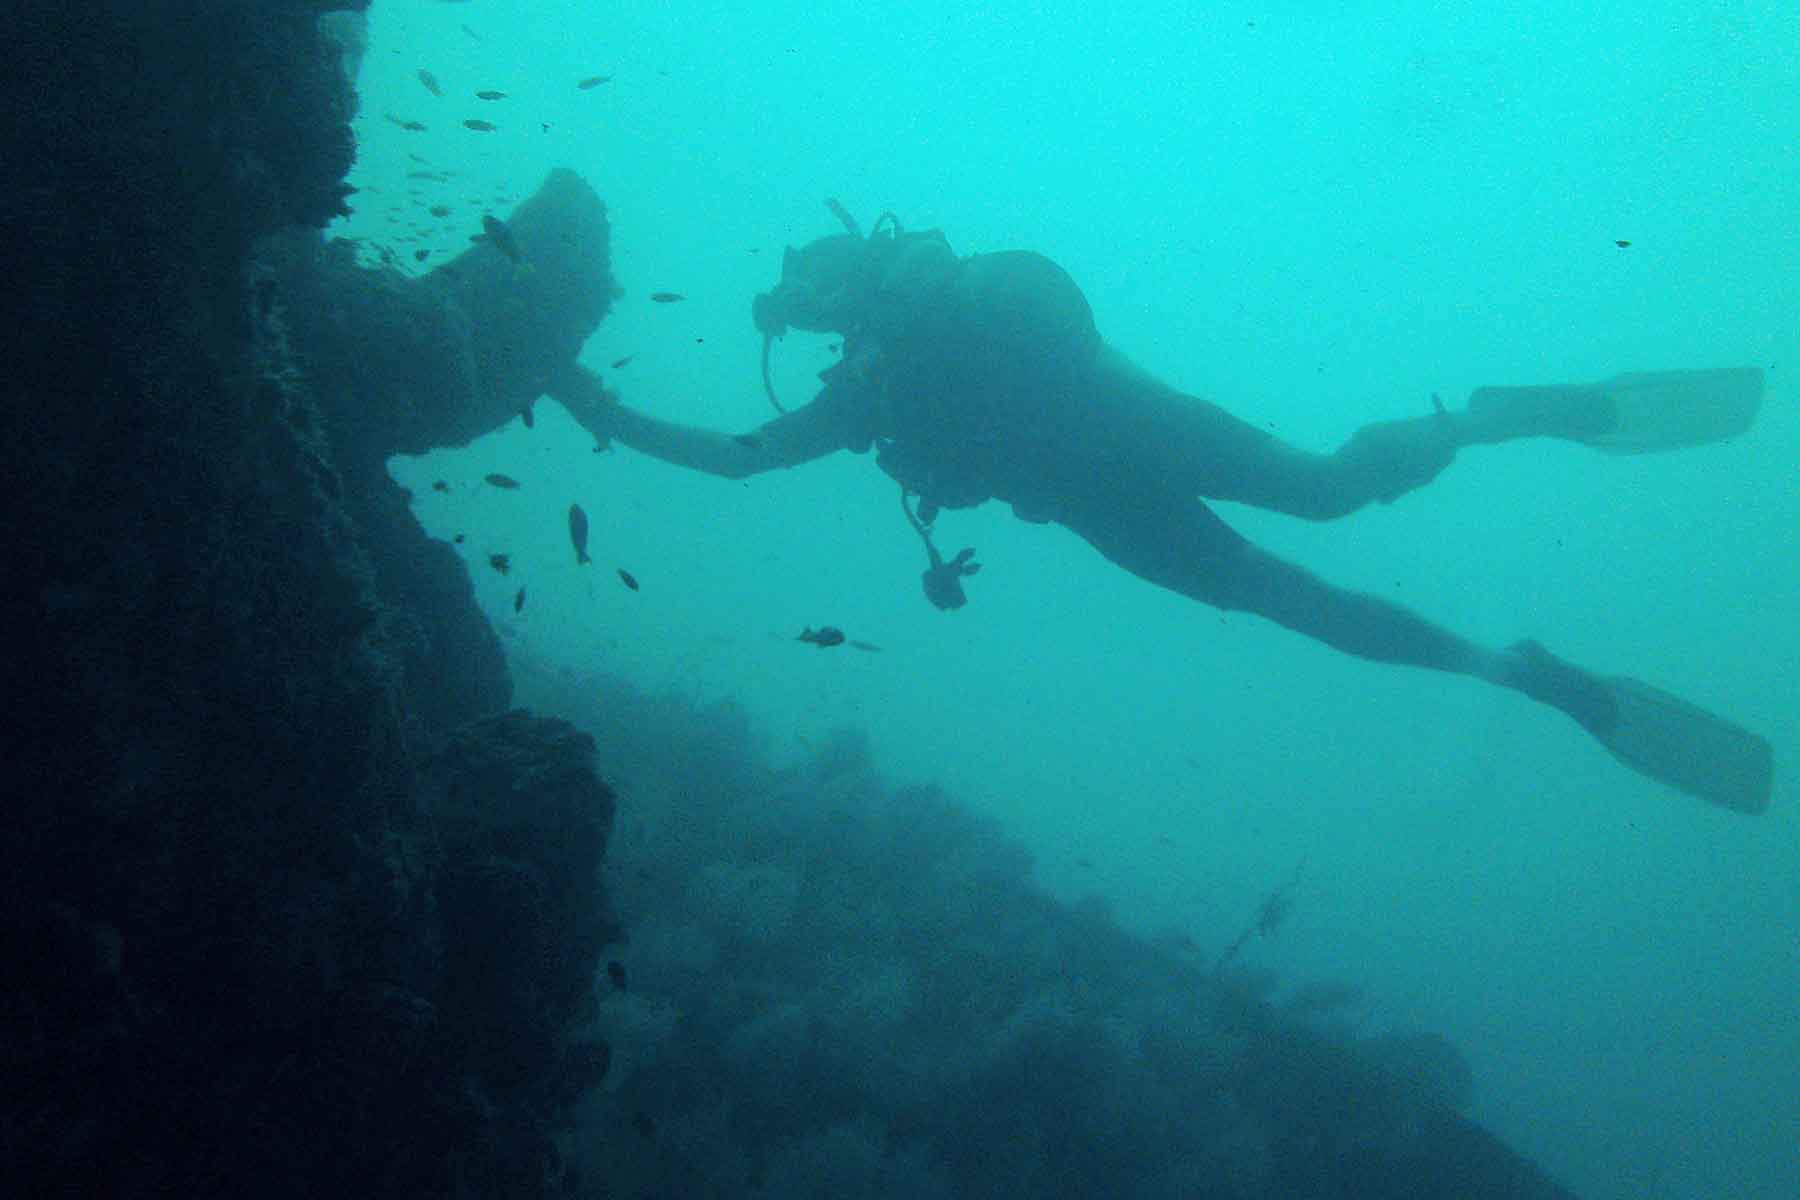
point(987, 377)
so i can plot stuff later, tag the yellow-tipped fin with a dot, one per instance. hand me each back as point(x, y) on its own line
point(1637, 412)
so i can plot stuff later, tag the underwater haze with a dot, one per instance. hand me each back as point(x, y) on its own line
point(1317, 216)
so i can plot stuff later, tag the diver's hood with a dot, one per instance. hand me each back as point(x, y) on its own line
point(824, 286)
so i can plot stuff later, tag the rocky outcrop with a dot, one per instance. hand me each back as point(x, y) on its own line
point(244, 955)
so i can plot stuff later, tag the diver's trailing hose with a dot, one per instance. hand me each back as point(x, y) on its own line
point(942, 580)
point(768, 384)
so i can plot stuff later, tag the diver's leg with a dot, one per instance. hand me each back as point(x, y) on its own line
point(1180, 544)
point(1157, 435)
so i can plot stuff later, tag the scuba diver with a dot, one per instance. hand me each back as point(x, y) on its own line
point(985, 377)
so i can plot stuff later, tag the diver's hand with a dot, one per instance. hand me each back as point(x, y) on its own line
point(1390, 458)
point(594, 408)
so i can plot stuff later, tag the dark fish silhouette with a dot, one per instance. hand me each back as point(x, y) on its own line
point(501, 481)
point(496, 232)
point(438, 485)
point(870, 646)
point(480, 126)
point(519, 600)
point(667, 297)
point(578, 530)
point(430, 82)
point(823, 636)
point(500, 562)
point(490, 95)
point(619, 362)
point(628, 579)
point(593, 81)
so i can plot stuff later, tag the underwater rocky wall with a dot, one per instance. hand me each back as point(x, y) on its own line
point(284, 917)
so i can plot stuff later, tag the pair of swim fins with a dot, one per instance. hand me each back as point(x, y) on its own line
point(1637, 412)
point(1641, 412)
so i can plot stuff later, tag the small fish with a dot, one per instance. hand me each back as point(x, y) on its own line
point(747, 439)
point(1622, 243)
point(525, 415)
point(869, 646)
point(500, 562)
point(501, 481)
point(620, 362)
point(823, 636)
point(480, 126)
point(430, 82)
point(519, 601)
point(667, 297)
point(490, 95)
point(496, 231)
point(440, 210)
point(578, 530)
point(458, 539)
point(409, 126)
point(438, 485)
point(593, 81)
point(428, 176)
point(421, 255)
point(615, 971)
point(628, 579)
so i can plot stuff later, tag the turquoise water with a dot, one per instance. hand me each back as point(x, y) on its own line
point(1317, 220)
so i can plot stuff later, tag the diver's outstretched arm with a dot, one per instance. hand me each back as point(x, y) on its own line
point(809, 432)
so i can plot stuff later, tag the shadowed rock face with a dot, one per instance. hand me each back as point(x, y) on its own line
point(399, 365)
point(240, 951)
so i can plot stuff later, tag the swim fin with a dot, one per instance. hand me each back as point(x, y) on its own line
point(1688, 748)
point(1633, 413)
point(1651, 731)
